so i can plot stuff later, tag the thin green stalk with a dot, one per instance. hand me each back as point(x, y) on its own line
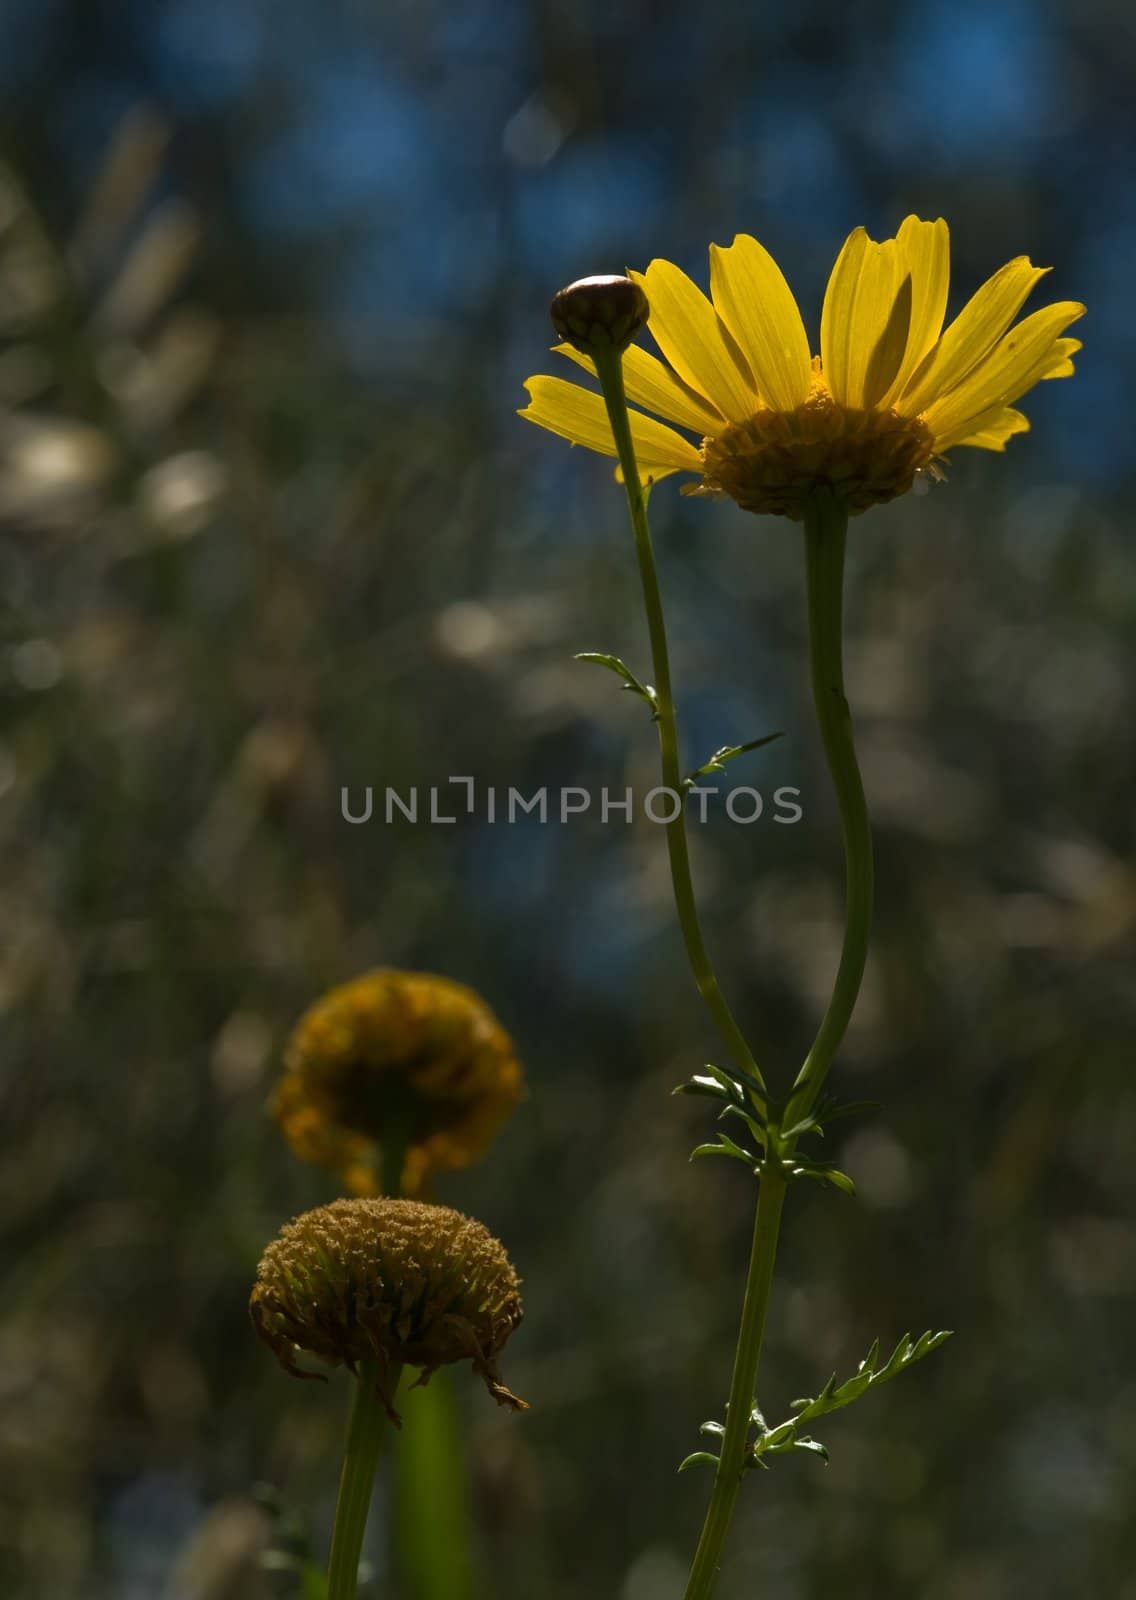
point(609, 367)
point(368, 1418)
point(731, 1461)
point(826, 526)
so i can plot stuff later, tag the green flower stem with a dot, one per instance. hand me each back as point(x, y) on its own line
point(826, 527)
point(609, 368)
point(731, 1461)
point(368, 1418)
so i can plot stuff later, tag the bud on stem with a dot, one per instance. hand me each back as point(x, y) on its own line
point(600, 314)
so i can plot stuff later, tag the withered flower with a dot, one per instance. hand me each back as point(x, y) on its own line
point(397, 1282)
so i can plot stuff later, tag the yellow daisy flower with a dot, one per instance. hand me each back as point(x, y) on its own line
point(402, 1058)
point(889, 395)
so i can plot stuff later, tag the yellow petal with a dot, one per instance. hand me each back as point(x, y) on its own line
point(690, 334)
point(1019, 360)
point(973, 333)
point(924, 251)
point(866, 321)
point(649, 383)
point(757, 306)
point(988, 432)
point(1062, 366)
point(836, 314)
point(580, 416)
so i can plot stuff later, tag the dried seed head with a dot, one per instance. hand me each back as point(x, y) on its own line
point(601, 313)
point(393, 1281)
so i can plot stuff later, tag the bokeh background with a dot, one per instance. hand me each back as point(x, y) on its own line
point(271, 276)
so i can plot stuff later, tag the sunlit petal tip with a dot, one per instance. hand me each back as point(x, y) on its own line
point(580, 416)
point(991, 431)
point(1022, 358)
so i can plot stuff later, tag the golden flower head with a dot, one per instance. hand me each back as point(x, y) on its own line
point(397, 1282)
point(889, 395)
point(405, 1058)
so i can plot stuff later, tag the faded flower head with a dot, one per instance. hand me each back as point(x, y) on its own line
point(405, 1058)
point(889, 394)
point(398, 1282)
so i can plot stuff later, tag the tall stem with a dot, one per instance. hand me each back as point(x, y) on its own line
point(609, 368)
point(731, 1461)
point(826, 526)
point(825, 532)
point(368, 1418)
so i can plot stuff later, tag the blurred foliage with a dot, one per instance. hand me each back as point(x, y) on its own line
point(269, 528)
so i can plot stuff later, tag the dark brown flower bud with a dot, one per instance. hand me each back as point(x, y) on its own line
point(597, 314)
point(397, 1282)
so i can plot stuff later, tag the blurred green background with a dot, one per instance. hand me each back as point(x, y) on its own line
point(270, 279)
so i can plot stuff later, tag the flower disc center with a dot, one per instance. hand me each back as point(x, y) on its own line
point(774, 460)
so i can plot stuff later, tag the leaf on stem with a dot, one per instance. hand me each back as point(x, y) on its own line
point(717, 762)
point(613, 663)
point(828, 1109)
point(868, 1376)
point(801, 1167)
point(727, 1147)
point(754, 1124)
point(711, 1088)
point(786, 1437)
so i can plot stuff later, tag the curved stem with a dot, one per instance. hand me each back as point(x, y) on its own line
point(609, 368)
point(731, 1462)
point(368, 1418)
point(826, 525)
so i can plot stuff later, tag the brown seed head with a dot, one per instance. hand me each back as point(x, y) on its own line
point(597, 314)
point(393, 1281)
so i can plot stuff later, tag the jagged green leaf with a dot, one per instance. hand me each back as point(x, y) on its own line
point(868, 1376)
point(832, 1397)
point(727, 752)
